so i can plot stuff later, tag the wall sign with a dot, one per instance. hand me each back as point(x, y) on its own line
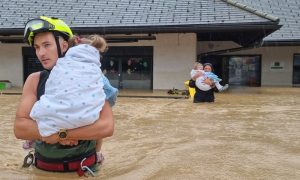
point(277, 65)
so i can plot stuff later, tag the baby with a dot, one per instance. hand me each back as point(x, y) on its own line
point(198, 68)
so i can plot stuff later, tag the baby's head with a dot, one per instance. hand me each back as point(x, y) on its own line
point(94, 40)
point(198, 66)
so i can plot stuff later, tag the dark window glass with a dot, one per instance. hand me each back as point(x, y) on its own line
point(296, 70)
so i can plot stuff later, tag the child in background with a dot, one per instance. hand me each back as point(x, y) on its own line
point(198, 68)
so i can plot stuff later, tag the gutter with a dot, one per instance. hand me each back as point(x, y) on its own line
point(290, 42)
point(187, 28)
point(252, 10)
point(295, 42)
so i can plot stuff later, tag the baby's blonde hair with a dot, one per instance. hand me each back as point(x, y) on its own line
point(94, 40)
point(197, 64)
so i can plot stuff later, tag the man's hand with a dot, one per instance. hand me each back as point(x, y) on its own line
point(68, 142)
point(208, 82)
point(52, 139)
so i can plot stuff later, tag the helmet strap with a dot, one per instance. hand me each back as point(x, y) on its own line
point(56, 37)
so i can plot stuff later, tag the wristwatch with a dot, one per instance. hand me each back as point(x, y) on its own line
point(62, 133)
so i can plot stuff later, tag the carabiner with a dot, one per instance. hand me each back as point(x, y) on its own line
point(28, 160)
point(85, 168)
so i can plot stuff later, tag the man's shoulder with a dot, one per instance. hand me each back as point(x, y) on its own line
point(34, 75)
point(32, 80)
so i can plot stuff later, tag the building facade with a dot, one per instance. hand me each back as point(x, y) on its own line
point(154, 44)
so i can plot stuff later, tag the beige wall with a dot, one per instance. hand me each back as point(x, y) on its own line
point(284, 55)
point(11, 63)
point(269, 55)
point(173, 58)
point(174, 55)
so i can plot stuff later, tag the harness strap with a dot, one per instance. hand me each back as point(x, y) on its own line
point(67, 166)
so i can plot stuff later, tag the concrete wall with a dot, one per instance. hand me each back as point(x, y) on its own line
point(269, 55)
point(11, 64)
point(173, 58)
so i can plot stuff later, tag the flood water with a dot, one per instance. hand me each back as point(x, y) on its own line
point(248, 133)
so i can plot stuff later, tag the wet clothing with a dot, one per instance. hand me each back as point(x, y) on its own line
point(202, 96)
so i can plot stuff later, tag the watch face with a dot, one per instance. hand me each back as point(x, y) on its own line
point(62, 134)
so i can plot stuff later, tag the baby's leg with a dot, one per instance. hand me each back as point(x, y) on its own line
point(98, 145)
point(218, 85)
point(100, 157)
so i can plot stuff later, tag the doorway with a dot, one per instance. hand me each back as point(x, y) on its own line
point(129, 67)
point(244, 70)
point(31, 63)
point(125, 67)
point(296, 70)
point(237, 70)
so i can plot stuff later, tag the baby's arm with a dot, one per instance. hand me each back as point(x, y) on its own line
point(110, 92)
point(213, 76)
point(195, 74)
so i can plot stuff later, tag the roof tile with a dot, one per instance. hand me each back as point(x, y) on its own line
point(126, 12)
point(135, 13)
point(287, 11)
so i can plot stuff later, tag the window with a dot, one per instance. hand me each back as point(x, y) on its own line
point(129, 67)
point(244, 70)
point(296, 70)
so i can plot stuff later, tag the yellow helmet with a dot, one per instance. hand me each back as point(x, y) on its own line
point(46, 24)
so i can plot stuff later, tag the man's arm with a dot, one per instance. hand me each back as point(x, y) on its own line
point(25, 127)
point(101, 128)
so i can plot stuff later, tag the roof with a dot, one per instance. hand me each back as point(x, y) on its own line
point(287, 11)
point(136, 16)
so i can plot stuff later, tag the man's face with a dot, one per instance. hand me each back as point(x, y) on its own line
point(207, 69)
point(46, 50)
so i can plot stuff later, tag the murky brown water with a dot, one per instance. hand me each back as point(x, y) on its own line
point(250, 133)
